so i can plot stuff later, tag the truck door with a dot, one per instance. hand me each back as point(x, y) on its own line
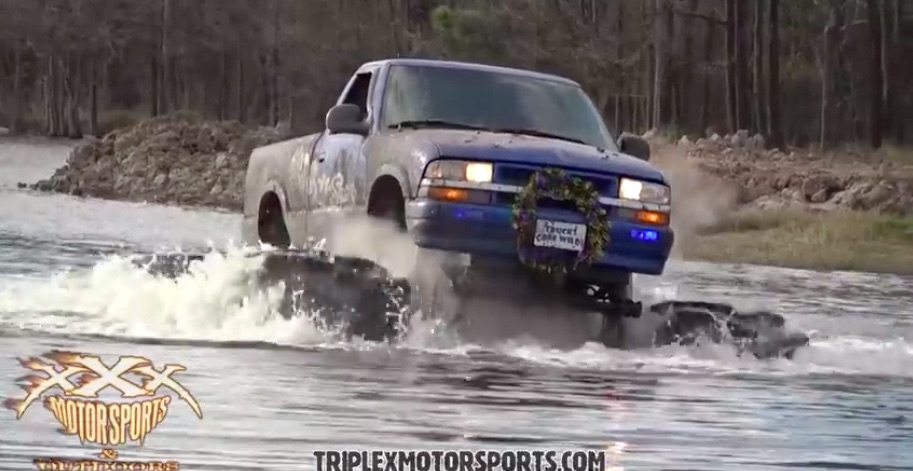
point(338, 176)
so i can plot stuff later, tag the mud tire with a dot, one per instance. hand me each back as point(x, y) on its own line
point(760, 333)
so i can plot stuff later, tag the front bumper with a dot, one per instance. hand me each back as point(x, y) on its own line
point(487, 230)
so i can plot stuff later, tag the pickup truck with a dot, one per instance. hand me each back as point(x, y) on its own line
point(442, 149)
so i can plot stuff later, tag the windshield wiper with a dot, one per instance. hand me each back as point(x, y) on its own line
point(537, 133)
point(434, 123)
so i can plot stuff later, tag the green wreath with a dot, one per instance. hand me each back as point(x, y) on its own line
point(556, 184)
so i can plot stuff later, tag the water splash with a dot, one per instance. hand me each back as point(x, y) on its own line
point(218, 300)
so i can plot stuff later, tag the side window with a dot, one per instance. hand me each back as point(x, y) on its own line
point(358, 93)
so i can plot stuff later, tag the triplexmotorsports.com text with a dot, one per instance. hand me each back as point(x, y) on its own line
point(439, 460)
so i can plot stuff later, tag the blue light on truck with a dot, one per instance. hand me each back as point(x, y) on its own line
point(644, 235)
point(463, 213)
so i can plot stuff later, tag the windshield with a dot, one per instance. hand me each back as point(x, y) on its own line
point(492, 100)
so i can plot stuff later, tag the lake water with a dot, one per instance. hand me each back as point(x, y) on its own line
point(274, 391)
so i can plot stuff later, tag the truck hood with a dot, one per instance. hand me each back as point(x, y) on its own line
point(537, 151)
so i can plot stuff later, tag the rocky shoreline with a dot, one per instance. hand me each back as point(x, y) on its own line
point(185, 160)
point(177, 159)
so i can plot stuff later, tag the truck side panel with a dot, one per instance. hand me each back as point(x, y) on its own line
point(281, 168)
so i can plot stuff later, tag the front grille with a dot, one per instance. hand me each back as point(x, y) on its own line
point(508, 199)
point(519, 175)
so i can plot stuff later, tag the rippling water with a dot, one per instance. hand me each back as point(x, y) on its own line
point(273, 391)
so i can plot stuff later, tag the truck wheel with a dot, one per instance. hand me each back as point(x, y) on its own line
point(688, 326)
point(370, 319)
point(271, 227)
point(386, 202)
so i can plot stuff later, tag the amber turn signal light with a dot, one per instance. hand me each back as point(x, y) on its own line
point(448, 194)
point(652, 217)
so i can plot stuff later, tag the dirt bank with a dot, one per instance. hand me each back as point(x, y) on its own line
point(798, 178)
point(176, 159)
point(736, 202)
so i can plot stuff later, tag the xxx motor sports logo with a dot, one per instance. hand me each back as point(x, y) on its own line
point(78, 380)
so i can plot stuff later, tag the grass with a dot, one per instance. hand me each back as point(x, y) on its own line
point(843, 240)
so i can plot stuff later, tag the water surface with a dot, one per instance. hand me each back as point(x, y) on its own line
point(273, 391)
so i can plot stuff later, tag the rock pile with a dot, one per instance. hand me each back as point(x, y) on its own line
point(177, 159)
point(771, 179)
point(183, 159)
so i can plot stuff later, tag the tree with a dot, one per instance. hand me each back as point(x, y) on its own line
point(74, 66)
point(876, 117)
point(774, 130)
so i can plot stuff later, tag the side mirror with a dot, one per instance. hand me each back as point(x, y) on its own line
point(634, 145)
point(346, 119)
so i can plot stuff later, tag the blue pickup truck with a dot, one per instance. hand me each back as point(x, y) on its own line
point(446, 151)
point(508, 185)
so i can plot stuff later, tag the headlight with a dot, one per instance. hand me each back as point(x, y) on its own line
point(629, 189)
point(478, 172)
